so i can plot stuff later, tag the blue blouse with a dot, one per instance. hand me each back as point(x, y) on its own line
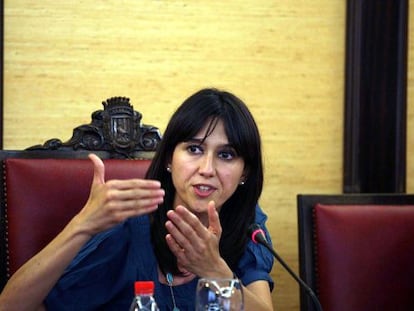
point(102, 275)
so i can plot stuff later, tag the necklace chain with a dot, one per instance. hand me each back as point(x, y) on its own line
point(170, 280)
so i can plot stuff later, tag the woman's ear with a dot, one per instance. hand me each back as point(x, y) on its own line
point(168, 165)
point(243, 177)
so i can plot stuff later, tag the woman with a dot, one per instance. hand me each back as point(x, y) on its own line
point(187, 220)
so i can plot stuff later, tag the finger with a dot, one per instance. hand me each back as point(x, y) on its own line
point(192, 238)
point(98, 169)
point(137, 204)
point(183, 218)
point(179, 252)
point(135, 190)
point(190, 226)
point(186, 226)
point(136, 183)
point(180, 237)
point(213, 219)
point(175, 248)
point(140, 196)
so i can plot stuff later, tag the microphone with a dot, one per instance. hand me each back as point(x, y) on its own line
point(257, 235)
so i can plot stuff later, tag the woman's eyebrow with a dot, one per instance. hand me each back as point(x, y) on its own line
point(224, 145)
point(200, 141)
point(194, 140)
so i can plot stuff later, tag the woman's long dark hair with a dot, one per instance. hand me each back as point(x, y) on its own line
point(238, 212)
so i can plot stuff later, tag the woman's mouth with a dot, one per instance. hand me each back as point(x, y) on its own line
point(204, 190)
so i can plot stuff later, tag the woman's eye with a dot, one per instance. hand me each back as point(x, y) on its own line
point(194, 149)
point(227, 155)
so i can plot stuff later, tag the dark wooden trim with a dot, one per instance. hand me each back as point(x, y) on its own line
point(375, 96)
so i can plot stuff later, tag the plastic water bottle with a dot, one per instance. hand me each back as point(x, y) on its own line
point(144, 297)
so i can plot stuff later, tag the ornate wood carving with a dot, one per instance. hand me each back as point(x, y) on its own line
point(116, 129)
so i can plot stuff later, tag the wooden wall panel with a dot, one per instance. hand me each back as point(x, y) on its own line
point(375, 96)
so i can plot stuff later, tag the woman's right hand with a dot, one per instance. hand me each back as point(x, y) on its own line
point(111, 202)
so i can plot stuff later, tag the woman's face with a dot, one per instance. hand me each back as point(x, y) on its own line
point(207, 171)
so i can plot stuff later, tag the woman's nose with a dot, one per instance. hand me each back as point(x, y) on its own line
point(207, 165)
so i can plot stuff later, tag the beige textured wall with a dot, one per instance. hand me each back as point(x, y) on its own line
point(284, 58)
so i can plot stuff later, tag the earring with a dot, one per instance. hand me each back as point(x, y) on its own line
point(241, 183)
point(168, 169)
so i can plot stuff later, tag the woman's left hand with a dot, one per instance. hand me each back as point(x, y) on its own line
point(195, 246)
point(197, 250)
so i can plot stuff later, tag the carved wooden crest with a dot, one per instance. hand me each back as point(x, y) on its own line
point(116, 129)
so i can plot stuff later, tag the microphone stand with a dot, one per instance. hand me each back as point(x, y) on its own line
point(302, 283)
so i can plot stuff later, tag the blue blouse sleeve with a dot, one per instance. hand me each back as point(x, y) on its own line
point(257, 262)
point(101, 270)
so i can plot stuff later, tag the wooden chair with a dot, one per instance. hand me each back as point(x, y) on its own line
point(44, 186)
point(356, 251)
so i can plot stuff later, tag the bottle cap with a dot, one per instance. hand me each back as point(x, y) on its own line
point(144, 287)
